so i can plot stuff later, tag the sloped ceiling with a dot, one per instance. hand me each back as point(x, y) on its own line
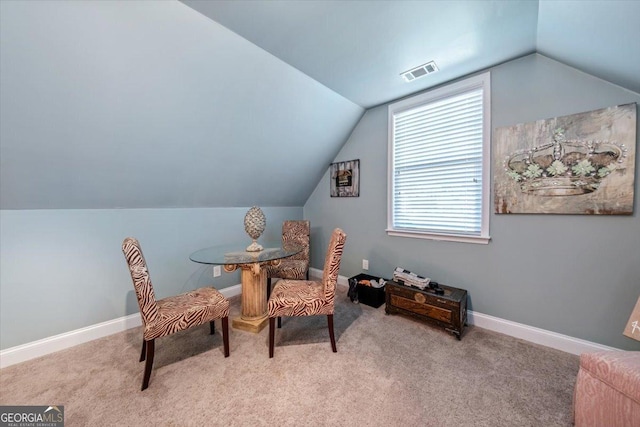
point(601, 38)
point(138, 104)
point(359, 48)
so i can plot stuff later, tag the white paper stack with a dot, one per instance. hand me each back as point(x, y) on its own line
point(411, 279)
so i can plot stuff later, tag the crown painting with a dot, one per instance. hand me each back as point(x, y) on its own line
point(578, 164)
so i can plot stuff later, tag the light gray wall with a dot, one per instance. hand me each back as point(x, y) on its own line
point(149, 104)
point(574, 275)
point(62, 270)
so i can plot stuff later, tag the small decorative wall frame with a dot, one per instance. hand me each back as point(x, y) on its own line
point(578, 164)
point(345, 178)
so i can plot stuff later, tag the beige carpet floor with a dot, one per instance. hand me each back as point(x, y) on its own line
point(388, 371)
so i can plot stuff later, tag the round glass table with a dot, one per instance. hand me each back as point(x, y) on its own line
point(252, 265)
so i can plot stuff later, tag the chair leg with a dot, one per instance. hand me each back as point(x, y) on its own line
point(225, 335)
point(271, 335)
point(268, 287)
point(149, 364)
point(212, 326)
point(279, 322)
point(331, 335)
point(144, 350)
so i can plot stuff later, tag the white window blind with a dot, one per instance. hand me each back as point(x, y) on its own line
point(438, 152)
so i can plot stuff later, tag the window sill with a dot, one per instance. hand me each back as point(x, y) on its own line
point(482, 240)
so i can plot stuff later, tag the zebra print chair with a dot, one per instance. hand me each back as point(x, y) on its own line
point(296, 266)
point(309, 298)
point(169, 315)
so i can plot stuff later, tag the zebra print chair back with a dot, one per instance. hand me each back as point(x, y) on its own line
point(332, 264)
point(296, 233)
point(141, 280)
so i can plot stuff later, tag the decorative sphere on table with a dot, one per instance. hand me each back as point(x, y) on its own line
point(254, 224)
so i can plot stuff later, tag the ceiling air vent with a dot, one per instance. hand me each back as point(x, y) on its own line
point(421, 71)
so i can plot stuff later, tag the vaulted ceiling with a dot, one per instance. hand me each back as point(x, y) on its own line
point(137, 104)
point(359, 48)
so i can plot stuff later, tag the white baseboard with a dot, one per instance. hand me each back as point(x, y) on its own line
point(518, 330)
point(24, 352)
point(535, 335)
point(231, 291)
point(34, 349)
point(31, 350)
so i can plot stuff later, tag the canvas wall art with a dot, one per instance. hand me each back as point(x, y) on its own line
point(578, 164)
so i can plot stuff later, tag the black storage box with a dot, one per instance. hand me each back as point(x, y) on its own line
point(369, 295)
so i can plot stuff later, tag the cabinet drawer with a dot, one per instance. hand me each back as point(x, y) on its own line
point(428, 310)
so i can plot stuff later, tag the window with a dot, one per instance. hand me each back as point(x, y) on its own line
point(439, 145)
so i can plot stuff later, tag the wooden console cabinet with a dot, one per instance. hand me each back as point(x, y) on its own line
point(448, 311)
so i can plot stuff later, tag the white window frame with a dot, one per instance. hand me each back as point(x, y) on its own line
point(480, 81)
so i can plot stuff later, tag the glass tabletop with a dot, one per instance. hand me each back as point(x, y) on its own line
point(236, 254)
